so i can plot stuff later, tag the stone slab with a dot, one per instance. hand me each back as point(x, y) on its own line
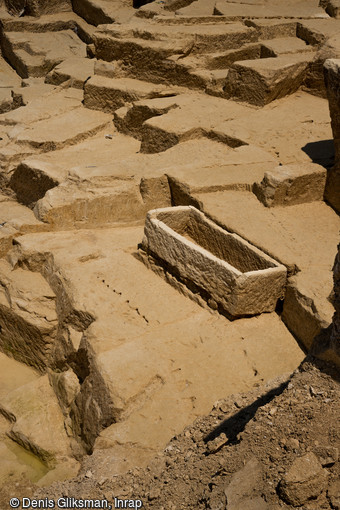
point(44, 107)
point(97, 12)
point(39, 422)
point(37, 7)
point(76, 69)
point(302, 138)
point(261, 81)
point(89, 159)
point(273, 28)
point(55, 22)
point(109, 94)
point(190, 116)
point(43, 51)
point(316, 32)
point(332, 78)
point(66, 129)
point(307, 308)
point(28, 317)
point(14, 375)
point(83, 205)
point(291, 184)
point(286, 45)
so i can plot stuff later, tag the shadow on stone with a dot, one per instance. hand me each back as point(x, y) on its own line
point(321, 152)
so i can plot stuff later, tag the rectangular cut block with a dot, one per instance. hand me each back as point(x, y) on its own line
point(261, 81)
point(240, 278)
point(291, 184)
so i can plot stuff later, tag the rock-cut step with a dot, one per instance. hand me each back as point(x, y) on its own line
point(35, 54)
point(66, 129)
point(109, 94)
point(261, 81)
point(173, 120)
point(75, 69)
point(97, 12)
point(150, 53)
point(203, 37)
point(55, 22)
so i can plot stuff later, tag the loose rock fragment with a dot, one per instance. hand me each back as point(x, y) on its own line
point(304, 480)
point(242, 489)
point(327, 455)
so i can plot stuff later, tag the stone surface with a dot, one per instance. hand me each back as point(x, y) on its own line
point(261, 81)
point(291, 184)
point(45, 106)
point(82, 205)
point(275, 231)
point(185, 117)
point(305, 480)
point(28, 317)
point(16, 220)
point(36, 414)
point(327, 455)
point(219, 167)
point(36, 90)
point(66, 129)
point(66, 386)
point(272, 28)
point(151, 52)
point(35, 54)
point(54, 22)
point(333, 8)
point(78, 70)
point(14, 375)
point(305, 313)
point(284, 46)
point(107, 69)
point(332, 77)
point(244, 486)
point(98, 12)
point(265, 9)
point(317, 31)
point(6, 100)
point(235, 169)
point(8, 77)
point(109, 94)
point(37, 7)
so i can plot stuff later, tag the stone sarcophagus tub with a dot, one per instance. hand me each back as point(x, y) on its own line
point(239, 278)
